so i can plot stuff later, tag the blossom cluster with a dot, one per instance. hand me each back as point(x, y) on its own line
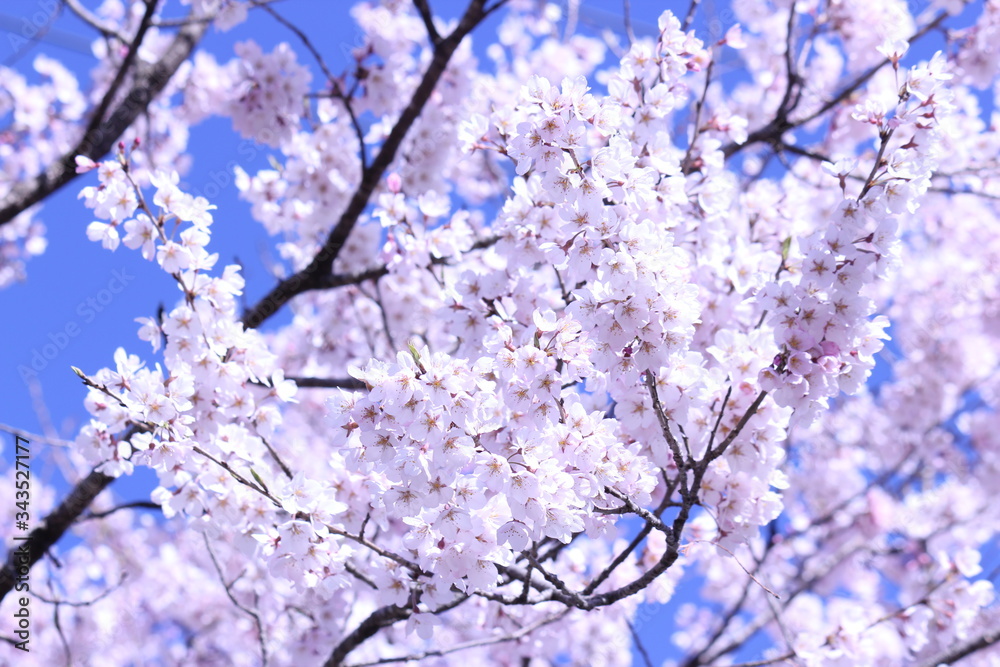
point(267, 104)
point(562, 341)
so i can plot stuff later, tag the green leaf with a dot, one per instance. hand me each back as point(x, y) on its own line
point(259, 480)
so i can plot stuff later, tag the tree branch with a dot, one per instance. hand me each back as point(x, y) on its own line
point(328, 383)
point(102, 133)
point(427, 16)
point(139, 504)
point(689, 17)
point(967, 648)
point(41, 539)
point(311, 277)
point(261, 637)
point(303, 38)
point(380, 618)
point(773, 131)
point(94, 21)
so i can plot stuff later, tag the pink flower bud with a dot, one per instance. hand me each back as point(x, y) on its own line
point(84, 164)
point(829, 364)
point(829, 348)
point(394, 182)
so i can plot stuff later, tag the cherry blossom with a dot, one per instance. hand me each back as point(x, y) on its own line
point(578, 322)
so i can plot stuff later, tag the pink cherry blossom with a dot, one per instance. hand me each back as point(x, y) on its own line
point(574, 321)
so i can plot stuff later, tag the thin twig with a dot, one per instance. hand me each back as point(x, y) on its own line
point(261, 637)
point(751, 411)
point(83, 603)
point(637, 640)
point(718, 421)
point(284, 468)
point(689, 18)
point(475, 643)
point(627, 11)
point(742, 567)
point(94, 21)
point(686, 164)
point(870, 181)
point(427, 16)
point(302, 37)
point(138, 504)
point(34, 437)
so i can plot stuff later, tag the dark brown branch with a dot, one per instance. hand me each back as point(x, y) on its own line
point(773, 131)
point(139, 504)
point(328, 383)
point(689, 17)
point(689, 496)
point(342, 279)
point(41, 539)
point(718, 421)
point(728, 440)
point(427, 16)
point(97, 115)
point(380, 618)
point(619, 559)
point(311, 276)
point(967, 648)
point(791, 148)
point(661, 416)
point(514, 573)
point(791, 76)
point(335, 280)
point(869, 73)
point(886, 136)
point(102, 133)
point(281, 464)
